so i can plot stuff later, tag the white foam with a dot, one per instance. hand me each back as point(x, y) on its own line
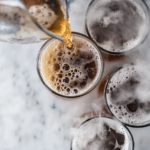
point(88, 131)
point(85, 46)
point(113, 18)
point(43, 15)
point(142, 93)
point(96, 14)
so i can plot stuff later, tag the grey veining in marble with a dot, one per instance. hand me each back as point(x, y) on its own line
point(31, 118)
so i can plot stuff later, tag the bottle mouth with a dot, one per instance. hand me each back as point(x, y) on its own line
point(40, 27)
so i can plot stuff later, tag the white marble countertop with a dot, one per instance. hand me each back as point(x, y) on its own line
point(31, 118)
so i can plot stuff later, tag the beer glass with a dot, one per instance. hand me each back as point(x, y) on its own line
point(70, 72)
point(102, 133)
point(117, 26)
point(127, 95)
point(19, 22)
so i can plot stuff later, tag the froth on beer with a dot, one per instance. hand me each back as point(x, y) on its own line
point(116, 25)
point(128, 95)
point(70, 72)
point(101, 134)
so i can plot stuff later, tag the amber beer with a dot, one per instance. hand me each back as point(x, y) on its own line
point(52, 16)
point(102, 133)
point(70, 72)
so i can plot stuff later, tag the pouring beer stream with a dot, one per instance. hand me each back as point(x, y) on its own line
point(34, 21)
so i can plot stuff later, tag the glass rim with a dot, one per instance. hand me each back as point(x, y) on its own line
point(87, 120)
point(106, 103)
point(131, 49)
point(99, 74)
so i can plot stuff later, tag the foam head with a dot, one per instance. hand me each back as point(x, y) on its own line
point(43, 15)
point(70, 72)
point(42, 11)
point(102, 133)
point(116, 25)
point(52, 15)
point(127, 95)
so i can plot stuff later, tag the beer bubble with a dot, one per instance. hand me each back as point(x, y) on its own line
point(75, 70)
point(132, 107)
point(82, 84)
point(59, 59)
point(75, 91)
point(68, 53)
point(68, 90)
point(75, 83)
point(59, 75)
point(59, 54)
point(65, 67)
point(66, 80)
point(111, 89)
point(56, 67)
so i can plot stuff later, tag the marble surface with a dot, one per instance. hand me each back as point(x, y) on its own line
point(31, 118)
